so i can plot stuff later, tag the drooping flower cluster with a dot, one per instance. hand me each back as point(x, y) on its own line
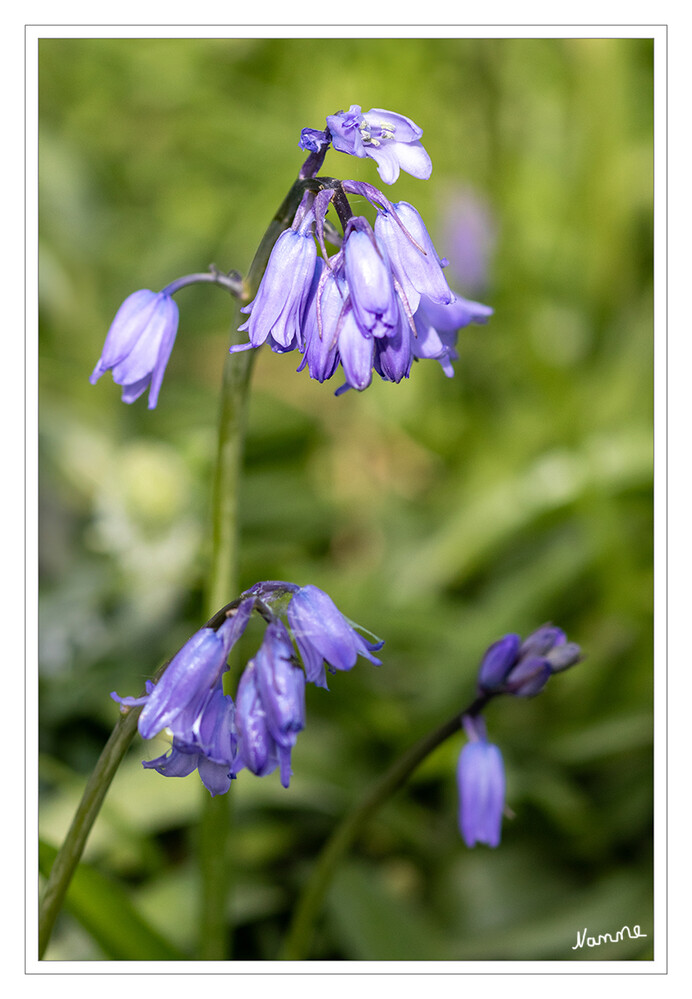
point(218, 737)
point(509, 666)
point(377, 304)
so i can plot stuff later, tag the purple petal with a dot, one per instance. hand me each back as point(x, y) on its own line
point(481, 780)
point(497, 662)
point(356, 353)
point(186, 682)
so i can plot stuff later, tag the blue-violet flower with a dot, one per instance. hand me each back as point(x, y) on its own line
point(271, 706)
point(182, 692)
point(139, 343)
point(209, 746)
point(481, 783)
point(324, 635)
point(414, 260)
point(278, 309)
point(511, 666)
point(390, 139)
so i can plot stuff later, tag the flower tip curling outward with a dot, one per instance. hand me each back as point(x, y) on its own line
point(139, 344)
point(392, 140)
point(481, 782)
point(324, 635)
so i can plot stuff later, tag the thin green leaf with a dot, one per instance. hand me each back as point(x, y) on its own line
point(107, 914)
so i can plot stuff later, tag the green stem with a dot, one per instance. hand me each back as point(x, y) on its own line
point(215, 858)
point(216, 869)
point(298, 939)
point(71, 851)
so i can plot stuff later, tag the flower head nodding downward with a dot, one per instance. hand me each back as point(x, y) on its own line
point(377, 304)
point(271, 706)
point(278, 309)
point(219, 738)
point(392, 140)
point(481, 783)
point(324, 635)
point(370, 280)
point(139, 343)
point(414, 260)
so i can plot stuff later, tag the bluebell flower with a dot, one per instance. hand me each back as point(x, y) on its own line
point(324, 635)
point(437, 327)
point(368, 274)
point(394, 354)
point(481, 783)
point(278, 310)
point(414, 260)
point(356, 352)
point(185, 686)
point(206, 744)
point(511, 666)
point(470, 233)
point(139, 343)
point(497, 661)
point(281, 687)
point(257, 750)
point(321, 353)
point(390, 139)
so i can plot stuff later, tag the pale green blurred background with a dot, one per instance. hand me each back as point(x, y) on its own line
point(438, 513)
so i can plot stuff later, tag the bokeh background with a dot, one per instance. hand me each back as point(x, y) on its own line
point(440, 513)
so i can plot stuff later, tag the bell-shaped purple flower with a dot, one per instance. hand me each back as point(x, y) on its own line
point(370, 283)
point(390, 139)
point(414, 260)
point(321, 325)
point(481, 783)
point(324, 635)
point(207, 744)
point(497, 662)
point(139, 343)
point(281, 687)
point(183, 690)
point(394, 354)
point(437, 326)
point(278, 309)
point(356, 352)
point(257, 749)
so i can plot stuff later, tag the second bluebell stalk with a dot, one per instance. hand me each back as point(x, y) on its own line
point(219, 737)
point(509, 666)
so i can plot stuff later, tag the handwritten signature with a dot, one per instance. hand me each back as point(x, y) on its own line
point(633, 934)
